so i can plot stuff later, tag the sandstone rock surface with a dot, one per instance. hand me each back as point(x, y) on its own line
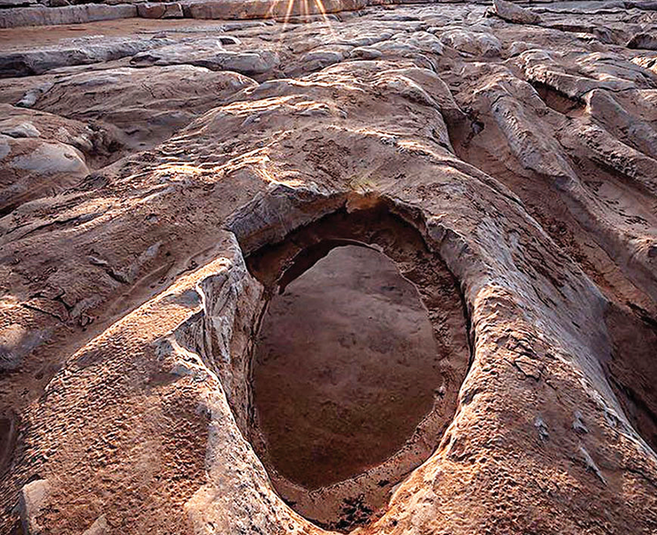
point(16, 3)
point(644, 40)
point(211, 54)
point(497, 180)
point(80, 52)
point(512, 13)
point(141, 107)
point(34, 497)
point(47, 16)
point(164, 10)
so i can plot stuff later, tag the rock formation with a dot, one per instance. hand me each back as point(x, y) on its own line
point(391, 270)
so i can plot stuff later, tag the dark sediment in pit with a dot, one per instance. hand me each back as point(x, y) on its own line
point(346, 368)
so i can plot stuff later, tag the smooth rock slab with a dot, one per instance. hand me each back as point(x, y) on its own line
point(211, 54)
point(38, 61)
point(512, 13)
point(145, 104)
point(49, 16)
point(167, 10)
point(35, 168)
point(41, 154)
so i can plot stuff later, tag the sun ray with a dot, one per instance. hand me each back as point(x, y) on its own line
point(286, 18)
point(290, 7)
point(305, 9)
point(271, 13)
point(322, 9)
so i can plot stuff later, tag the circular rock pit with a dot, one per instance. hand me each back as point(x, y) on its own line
point(361, 350)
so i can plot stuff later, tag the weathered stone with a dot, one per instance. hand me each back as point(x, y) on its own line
point(164, 10)
point(320, 58)
point(475, 43)
point(16, 3)
point(34, 168)
point(16, 341)
point(366, 53)
point(20, 130)
point(38, 61)
point(648, 6)
point(528, 367)
point(646, 41)
point(33, 94)
point(99, 527)
point(48, 16)
point(590, 464)
point(211, 54)
point(33, 498)
point(578, 424)
point(42, 155)
point(516, 14)
point(542, 429)
point(506, 171)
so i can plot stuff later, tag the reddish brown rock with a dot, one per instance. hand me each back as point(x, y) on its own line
point(497, 180)
point(258, 9)
point(512, 13)
point(163, 10)
point(50, 16)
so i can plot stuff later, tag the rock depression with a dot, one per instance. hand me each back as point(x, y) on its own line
point(356, 366)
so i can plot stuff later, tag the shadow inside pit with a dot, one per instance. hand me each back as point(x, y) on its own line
point(361, 350)
point(345, 367)
point(632, 370)
point(7, 441)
